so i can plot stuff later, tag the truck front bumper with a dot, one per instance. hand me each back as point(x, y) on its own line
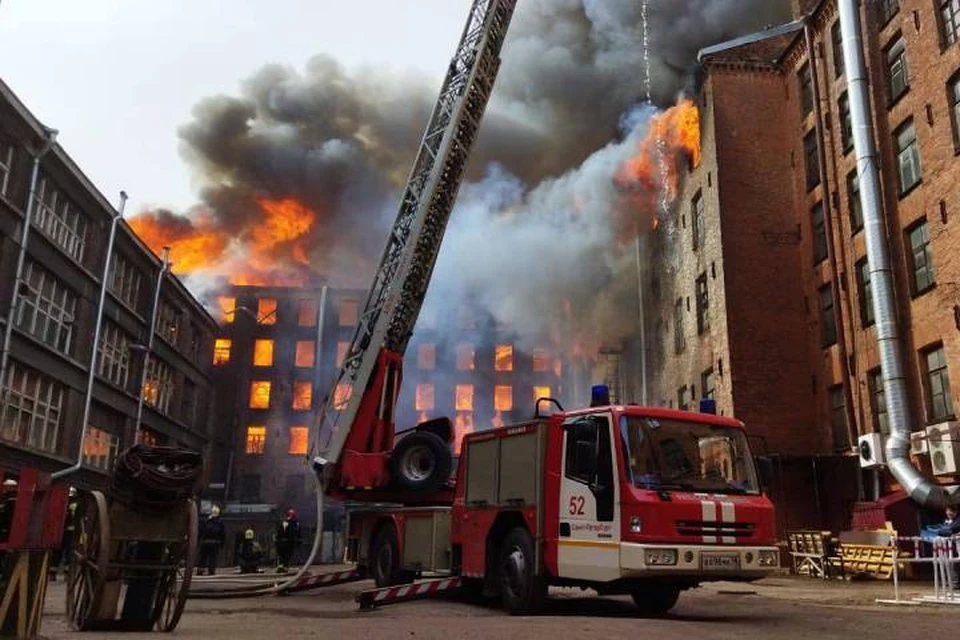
point(705, 562)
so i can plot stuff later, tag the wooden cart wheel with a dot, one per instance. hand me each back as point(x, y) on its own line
point(175, 584)
point(86, 572)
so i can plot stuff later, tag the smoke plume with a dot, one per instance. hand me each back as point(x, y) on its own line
point(541, 220)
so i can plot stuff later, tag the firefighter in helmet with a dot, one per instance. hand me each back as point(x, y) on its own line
point(287, 539)
point(250, 554)
point(212, 536)
point(69, 530)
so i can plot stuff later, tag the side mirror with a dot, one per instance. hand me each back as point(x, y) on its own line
point(765, 470)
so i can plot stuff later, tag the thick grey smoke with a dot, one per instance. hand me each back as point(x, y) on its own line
point(536, 223)
point(572, 67)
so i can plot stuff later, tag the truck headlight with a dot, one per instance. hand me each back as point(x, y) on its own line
point(635, 525)
point(660, 557)
point(769, 558)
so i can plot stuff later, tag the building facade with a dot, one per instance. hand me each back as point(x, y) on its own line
point(274, 360)
point(50, 314)
point(768, 308)
point(280, 348)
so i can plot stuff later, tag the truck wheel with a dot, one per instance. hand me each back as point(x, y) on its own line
point(522, 591)
point(421, 462)
point(385, 558)
point(655, 600)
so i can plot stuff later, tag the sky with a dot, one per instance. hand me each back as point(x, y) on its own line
point(118, 77)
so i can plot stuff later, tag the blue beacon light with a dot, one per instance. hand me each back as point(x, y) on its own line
point(599, 395)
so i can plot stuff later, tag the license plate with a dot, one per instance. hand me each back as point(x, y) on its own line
point(714, 561)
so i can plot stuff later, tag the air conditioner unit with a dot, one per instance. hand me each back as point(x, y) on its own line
point(918, 443)
point(943, 444)
point(870, 447)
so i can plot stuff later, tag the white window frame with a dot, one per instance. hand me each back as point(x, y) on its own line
point(47, 311)
point(33, 412)
point(168, 323)
point(106, 444)
point(114, 354)
point(160, 374)
point(124, 281)
point(6, 165)
point(59, 219)
point(897, 68)
point(908, 157)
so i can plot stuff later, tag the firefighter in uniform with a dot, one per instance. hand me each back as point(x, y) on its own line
point(212, 537)
point(251, 554)
point(287, 539)
point(69, 528)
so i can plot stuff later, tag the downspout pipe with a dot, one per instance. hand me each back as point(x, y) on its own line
point(838, 297)
point(164, 268)
point(48, 144)
point(94, 349)
point(321, 317)
point(920, 488)
point(643, 331)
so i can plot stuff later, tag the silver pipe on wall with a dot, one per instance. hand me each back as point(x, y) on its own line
point(21, 259)
point(920, 488)
point(164, 267)
point(643, 330)
point(98, 324)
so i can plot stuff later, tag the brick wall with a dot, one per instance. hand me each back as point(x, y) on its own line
point(925, 318)
point(756, 340)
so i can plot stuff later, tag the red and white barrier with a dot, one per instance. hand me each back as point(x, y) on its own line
point(390, 595)
point(945, 555)
point(325, 580)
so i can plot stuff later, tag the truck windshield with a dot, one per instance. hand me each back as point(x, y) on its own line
point(688, 456)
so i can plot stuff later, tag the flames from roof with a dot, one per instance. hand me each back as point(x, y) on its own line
point(301, 172)
point(272, 249)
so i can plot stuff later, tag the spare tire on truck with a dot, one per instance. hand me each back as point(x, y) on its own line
point(421, 462)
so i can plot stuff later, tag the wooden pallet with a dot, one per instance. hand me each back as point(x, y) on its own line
point(811, 554)
point(875, 561)
point(869, 553)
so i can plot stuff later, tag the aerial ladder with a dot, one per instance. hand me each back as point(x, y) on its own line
point(355, 454)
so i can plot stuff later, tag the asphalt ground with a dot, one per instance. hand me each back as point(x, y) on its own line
point(783, 607)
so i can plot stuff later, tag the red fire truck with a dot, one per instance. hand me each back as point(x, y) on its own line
point(618, 498)
point(621, 499)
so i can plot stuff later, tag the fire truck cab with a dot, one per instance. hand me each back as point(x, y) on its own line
point(620, 499)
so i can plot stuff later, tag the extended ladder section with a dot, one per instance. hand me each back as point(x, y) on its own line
point(363, 424)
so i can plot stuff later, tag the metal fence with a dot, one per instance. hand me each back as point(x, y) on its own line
point(943, 554)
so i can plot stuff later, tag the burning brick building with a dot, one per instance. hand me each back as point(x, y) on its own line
point(765, 305)
point(275, 356)
point(278, 352)
point(130, 386)
point(476, 371)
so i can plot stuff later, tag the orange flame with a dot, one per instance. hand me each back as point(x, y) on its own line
point(464, 397)
point(423, 400)
point(192, 242)
point(462, 425)
point(655, 168)
point(272, 249)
